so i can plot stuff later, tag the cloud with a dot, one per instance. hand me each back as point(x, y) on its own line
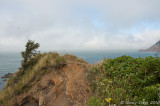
point(80, 24)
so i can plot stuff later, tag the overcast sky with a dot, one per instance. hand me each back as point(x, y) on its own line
point(79, 24)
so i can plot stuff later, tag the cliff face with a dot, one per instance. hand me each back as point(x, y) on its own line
point(63, 86)
point(154, 48)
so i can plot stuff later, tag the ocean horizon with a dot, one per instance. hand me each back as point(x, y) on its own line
point(10, 62)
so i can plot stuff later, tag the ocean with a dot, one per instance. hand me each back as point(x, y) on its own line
point(10, 62)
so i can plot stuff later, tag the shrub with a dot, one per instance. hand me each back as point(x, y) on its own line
point(27, 55)
point(125, 78)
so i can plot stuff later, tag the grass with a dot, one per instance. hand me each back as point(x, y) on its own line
point(72, 58)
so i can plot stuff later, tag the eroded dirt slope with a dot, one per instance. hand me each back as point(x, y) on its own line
point(66, 86)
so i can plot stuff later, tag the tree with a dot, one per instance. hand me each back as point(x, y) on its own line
point(30, 51)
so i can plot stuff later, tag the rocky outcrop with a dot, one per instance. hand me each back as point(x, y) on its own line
point(53, 81)
point(7, 75)
point(66, 86)
point(154, 48)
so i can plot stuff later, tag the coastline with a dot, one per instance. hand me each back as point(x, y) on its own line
point(90, 57)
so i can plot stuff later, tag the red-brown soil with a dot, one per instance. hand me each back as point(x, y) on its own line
point(66, 86)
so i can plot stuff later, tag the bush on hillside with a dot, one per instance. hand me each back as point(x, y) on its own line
point(125, 79)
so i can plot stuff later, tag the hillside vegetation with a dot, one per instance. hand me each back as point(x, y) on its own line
point(123, 80)
point(22, 82)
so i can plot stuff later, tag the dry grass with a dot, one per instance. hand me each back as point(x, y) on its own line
point(72, 58)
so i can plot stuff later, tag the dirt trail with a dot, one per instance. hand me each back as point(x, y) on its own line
point(67, 86)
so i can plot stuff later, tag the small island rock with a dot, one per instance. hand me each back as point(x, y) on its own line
point(7, 75)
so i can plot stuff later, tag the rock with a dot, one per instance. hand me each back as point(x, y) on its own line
point(7, 75)
point(154, 48)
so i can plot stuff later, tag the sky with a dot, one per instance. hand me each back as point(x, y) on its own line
point(79, 24)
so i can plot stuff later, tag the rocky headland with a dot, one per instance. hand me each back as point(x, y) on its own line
point(154, 48)
point(52, 81)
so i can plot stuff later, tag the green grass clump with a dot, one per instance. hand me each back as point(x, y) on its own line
point(125, 79)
